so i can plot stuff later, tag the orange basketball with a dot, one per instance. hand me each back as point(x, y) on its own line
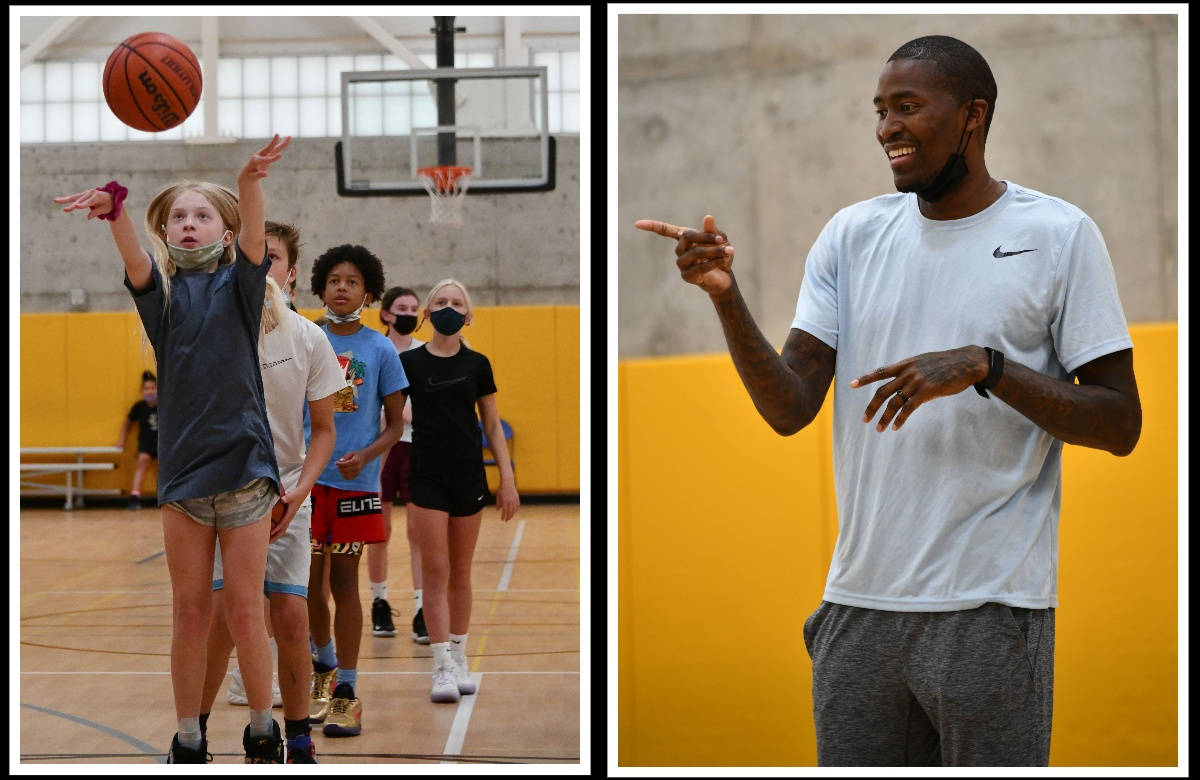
point(152, 81)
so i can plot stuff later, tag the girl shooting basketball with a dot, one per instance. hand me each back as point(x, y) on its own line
point(200, 298)
point(447, 485)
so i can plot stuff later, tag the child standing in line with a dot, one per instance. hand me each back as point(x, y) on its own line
point(299, 371)
point(346, 509)
point(400, 308)
point(448, 380)
point(200, 298)
point(145, 414)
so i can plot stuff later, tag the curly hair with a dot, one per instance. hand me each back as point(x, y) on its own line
point(362, 259)
point(961, 71)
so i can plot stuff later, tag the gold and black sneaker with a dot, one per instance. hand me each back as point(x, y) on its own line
point(324, 678)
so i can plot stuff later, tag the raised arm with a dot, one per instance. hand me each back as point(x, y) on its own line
point(100, 205)
point(251, 206)
point(788, 389)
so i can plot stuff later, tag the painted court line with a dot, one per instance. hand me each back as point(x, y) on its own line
point(458, 729)
point(512, 557)
point(135, 742)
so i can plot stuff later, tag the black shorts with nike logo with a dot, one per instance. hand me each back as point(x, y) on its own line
point(459, 489)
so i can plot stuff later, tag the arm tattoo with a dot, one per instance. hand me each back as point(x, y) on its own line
point(1090, 415)
point(786, 390)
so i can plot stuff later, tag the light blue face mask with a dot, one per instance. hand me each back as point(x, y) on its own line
point(191, 259)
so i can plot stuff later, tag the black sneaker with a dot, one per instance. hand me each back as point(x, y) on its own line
point(135, 503)
point(420, 635)
point(178, 754)
point(267, 749)
point(381, 618)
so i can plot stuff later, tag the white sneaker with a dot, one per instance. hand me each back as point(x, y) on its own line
point(237, 691)
point(445, 688)
point(462, 677)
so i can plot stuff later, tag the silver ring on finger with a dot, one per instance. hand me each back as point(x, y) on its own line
point(903, 398)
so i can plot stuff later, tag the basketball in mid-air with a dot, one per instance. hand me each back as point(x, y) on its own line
point(152, 81)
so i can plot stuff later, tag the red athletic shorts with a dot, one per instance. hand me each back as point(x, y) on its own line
point(343, 516)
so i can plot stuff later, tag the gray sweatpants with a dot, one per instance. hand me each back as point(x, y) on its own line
point(966, 688)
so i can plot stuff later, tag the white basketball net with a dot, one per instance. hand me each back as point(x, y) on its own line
point(447, 187)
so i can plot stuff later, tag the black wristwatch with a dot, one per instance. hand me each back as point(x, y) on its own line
point(995, 369)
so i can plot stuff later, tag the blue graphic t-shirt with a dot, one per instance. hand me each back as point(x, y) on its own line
point(373, 370)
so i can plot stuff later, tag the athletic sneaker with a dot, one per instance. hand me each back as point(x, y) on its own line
point(445, 687)
point(134, 504)
point(420, 634)
point(381, 618)
point(345, 713)
point(267, 749)
point(462, 677)
point(178, 754)
point(300, 750)
point(323, 680)
point(237, 690)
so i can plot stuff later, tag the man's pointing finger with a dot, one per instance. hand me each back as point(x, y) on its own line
point(662, 228)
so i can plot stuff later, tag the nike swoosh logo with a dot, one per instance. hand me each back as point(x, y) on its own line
point(437, 385)
point(998, 253)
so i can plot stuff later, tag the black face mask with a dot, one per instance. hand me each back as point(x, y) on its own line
point(447, 321)
point(954, 171)
point(404, 324)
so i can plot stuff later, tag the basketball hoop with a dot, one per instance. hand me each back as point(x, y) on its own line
point(447, 186)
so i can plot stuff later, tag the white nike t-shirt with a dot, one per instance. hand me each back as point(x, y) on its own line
point(298, 365)
point(960, 506)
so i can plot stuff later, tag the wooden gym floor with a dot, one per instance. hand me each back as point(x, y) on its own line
point(95, 633)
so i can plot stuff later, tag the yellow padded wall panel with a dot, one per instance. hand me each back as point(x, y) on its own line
point(725, 526)
point(43, 362)
point(98, 376)
point(568, 354)
point(527, 395)
point(1116, 668)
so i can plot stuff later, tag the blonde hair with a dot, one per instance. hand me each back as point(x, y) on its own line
point(466, 297)
point(225, 201)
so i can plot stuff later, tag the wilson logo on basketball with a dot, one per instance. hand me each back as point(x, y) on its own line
point(159, 105)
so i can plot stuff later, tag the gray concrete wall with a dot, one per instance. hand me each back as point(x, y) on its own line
point(766, 122)
point(520, 248)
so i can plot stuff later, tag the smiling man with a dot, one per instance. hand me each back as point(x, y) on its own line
point(961, 311)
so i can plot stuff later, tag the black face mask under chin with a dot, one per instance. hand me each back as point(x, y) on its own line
point(954, 171)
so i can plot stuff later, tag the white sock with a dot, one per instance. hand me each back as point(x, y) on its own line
point(458, 648)
point(418, 597)
point(441, 653)
point(260, 722)
point(379, 590)
point(189, 733)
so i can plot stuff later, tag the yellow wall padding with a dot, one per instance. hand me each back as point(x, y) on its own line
point(81, 372)
point(725, 535)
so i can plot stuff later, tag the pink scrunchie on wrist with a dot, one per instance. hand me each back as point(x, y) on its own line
point(118, 197)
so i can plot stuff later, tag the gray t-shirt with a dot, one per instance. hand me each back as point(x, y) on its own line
point(960, 506)
point(212, 417)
